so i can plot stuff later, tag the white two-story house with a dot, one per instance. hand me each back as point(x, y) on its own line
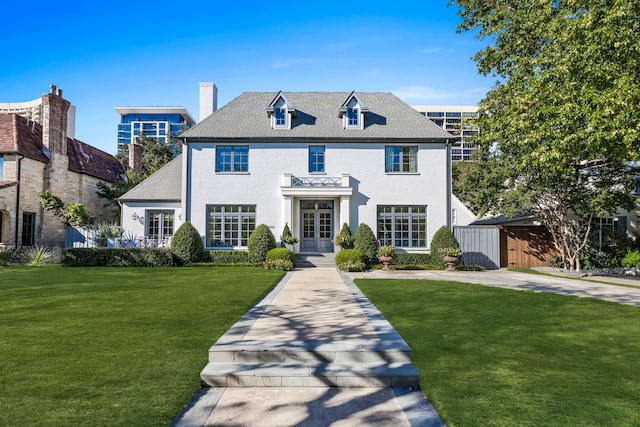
point(312, 160)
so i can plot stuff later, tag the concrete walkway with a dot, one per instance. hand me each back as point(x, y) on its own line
point(315, 352)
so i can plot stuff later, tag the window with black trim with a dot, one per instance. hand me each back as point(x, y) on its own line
point(316, 158)
point(402, 226)
point(401, 159)
point(230, 225)
point(28, 228)
point(232, 158)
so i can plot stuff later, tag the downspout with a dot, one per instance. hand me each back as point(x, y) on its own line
point(19, 157)
point(449, 184)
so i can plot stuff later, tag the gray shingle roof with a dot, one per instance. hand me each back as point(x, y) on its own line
point(164, 185)
point(388, 118)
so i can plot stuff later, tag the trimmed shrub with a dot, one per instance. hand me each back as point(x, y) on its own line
point(186, 245)
point(261, 241)
point(443, 238)
point(350, 255)
point(105, 257)
point(403, 258)
point(632, 259)
point(365, 241)
point(351, 260)
point(344, 239)
point(460, 267)
point(278, 264)
point(281, 253)
point(226, 256)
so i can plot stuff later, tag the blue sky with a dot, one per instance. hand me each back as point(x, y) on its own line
point(108, 54)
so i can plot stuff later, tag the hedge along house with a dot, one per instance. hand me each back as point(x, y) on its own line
point(312, 160)
point(35, 157)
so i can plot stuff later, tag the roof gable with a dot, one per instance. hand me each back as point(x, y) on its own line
point(163, 185)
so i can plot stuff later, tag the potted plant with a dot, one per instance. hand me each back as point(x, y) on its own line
point(287, 238)
point(385, 256)
point(451, 255)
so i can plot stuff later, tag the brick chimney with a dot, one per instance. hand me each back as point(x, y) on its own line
point(54, 121)
point(135, 157)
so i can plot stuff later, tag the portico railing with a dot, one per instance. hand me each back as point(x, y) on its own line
point(313, 181)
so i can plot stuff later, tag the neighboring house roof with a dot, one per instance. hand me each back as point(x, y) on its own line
point(317, 117)
point(164, 185)
point(19, 135)
point(504, 220)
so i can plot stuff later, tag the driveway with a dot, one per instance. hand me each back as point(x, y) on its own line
point(584, 288)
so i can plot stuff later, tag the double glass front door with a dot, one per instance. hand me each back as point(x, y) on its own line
point(317, 226)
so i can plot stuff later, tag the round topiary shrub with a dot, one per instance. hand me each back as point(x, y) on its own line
point(351, 260)
point(261, 241)
point(443, 238)
point(365, 241)
point(280, 259)
point(186, 245)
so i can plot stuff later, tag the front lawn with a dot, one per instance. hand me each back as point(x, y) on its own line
point(499, 357)
point(113, 346)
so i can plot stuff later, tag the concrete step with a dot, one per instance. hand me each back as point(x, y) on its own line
point(277, 374)
point(327, 353)
point(315, 260)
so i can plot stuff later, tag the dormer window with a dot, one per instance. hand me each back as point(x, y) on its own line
point(281, 117)
point(353, 117)
point(352, 112)
point(280, 111)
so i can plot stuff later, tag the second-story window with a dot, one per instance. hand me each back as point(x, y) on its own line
point(316, 158)
point(232, 158)
point(401, 159)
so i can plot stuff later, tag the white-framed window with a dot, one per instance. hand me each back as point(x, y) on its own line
point(316, 158)
point(160, 223)
point(230, 225)
point(603, 228)
point(402, 226)
point(353, 118)
point(232, 158)
point(281, 117)
point(401, 159)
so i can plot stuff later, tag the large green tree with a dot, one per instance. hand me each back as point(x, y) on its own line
point(563, 119)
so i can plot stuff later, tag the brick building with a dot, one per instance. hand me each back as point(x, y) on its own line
point(35, 157)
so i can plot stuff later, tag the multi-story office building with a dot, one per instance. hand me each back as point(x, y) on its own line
point(158, 122)
point(457, 120)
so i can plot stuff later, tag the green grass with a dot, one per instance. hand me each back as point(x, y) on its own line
point(499, 357)
point(113, 346)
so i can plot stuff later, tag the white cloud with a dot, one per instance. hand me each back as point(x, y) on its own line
point(285, 63)
point(431, 50)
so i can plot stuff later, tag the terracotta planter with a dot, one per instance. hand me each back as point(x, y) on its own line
point(451, 261)
point(386, 261)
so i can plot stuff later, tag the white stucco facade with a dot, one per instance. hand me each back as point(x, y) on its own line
point(359, 168)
